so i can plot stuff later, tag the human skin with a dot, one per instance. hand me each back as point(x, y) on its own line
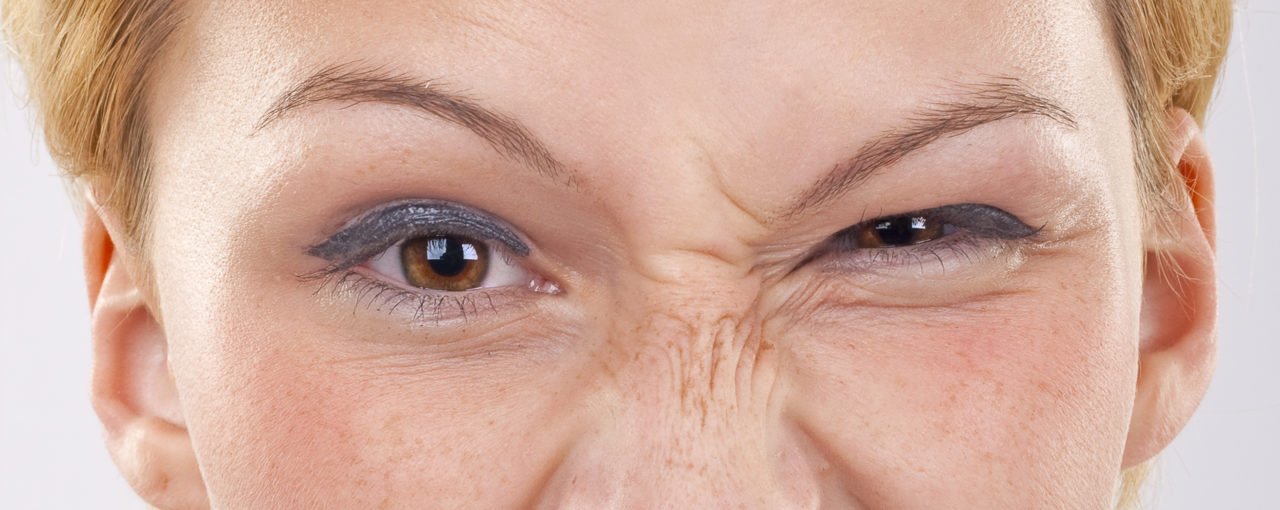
point(696, 342)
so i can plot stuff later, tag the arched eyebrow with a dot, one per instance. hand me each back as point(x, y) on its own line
point(969, 106)
point(354, 84)
point(973, 105)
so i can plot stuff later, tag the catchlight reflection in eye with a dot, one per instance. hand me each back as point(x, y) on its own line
point(448, 263)
point(903, 231)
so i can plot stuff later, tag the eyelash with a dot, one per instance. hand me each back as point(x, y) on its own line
point(977, 231)
point(971, 231)
point(373, 293)
point(952, 247)
point(355, 251)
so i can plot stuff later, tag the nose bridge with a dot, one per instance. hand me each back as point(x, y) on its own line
point(702, 383)
point(694, 426)
point(694, 422)
point(690, 382)
point(699, 359)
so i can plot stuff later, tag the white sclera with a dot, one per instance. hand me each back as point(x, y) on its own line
point(503, 271)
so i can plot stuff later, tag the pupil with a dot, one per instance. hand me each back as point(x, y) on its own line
point(897, 232)
point(448, 256)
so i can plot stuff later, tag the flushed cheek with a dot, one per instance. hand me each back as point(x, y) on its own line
point(308, 428)
point(1019, 404)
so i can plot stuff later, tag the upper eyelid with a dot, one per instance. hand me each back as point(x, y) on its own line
point(977, 219)
point(379, 229)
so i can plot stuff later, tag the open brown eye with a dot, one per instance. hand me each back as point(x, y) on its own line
point(448, 263)
point(902, 231)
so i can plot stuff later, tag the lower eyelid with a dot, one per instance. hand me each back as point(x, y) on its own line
point(372, 293)
point(950, 252)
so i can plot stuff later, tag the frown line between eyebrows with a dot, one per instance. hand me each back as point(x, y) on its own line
point(973, 105)
point(353, 83)
point(968, 106)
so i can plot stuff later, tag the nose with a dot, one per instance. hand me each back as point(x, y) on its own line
point(690, 416)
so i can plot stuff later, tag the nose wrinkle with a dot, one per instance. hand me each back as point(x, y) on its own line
point(722, 364)
point(697, 425)
point(718, 435)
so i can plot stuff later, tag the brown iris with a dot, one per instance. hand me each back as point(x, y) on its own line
point(448, 263)
point(902, 231)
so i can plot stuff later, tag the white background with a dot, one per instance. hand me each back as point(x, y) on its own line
point(52, 455)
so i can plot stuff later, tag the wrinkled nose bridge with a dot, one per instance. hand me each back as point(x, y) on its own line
point(696, 376)
point(700, 362)
point(692, 425)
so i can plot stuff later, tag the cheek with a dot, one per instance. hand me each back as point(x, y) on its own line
point(284, 413)
point(1026, 390)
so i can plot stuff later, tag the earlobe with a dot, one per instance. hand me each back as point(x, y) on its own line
point(1178, 337)
point(133, 393)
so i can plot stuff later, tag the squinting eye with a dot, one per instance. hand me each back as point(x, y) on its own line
point(974, 222)
point(902, 231)
point(448, 263)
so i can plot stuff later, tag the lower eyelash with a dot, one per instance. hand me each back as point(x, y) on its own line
point(954, 247)
point(373, 294)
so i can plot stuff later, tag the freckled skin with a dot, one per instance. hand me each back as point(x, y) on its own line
point(692, 361)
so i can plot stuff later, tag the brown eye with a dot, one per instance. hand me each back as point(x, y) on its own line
point(902, 231)
point(448, 263)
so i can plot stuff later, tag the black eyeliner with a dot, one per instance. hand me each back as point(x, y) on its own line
point(982, 220)
point(377, 230)
point(978, 219)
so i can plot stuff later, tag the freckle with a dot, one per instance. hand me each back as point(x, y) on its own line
point(942, 428)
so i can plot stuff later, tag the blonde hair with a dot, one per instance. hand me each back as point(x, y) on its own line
point(86, 62)
point(1171, 53)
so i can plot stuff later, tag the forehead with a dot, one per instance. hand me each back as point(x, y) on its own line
point(697, 51)
point(762, 81)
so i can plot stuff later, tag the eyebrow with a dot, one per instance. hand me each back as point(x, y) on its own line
point(998, 98)
point(354, 84)
point(975, 105)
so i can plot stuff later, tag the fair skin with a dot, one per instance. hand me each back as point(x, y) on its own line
point(682, 328)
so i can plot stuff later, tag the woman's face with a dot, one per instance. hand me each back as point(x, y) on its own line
point(878, 253)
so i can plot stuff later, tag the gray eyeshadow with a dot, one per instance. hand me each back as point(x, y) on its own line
point(983, 220)
point(980, 220)
point(381, 228)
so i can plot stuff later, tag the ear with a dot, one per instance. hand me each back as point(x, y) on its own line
point(1179, 304)
point(133, 392)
